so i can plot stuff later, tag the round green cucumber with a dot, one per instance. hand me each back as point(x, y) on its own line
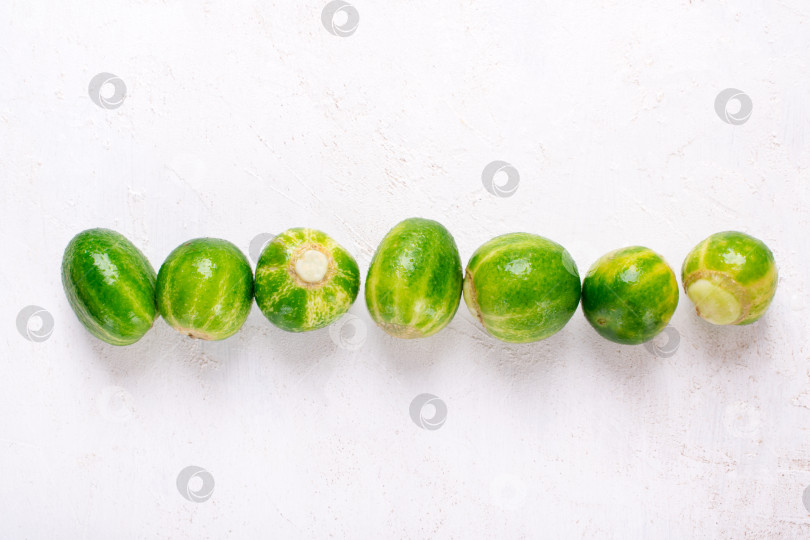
point(110, 285)
point(731, 278)
point(413, 286)
point(629, 295)
point(522, 287)
point(305, 280)
point(205, 289)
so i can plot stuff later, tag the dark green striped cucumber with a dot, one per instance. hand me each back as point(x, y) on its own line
point(110, 285)
point(413, 287)
point(205, 289)
point(629, 295)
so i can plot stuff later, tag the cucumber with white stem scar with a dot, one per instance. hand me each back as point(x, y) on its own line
point(731, 278)
point(305, 280)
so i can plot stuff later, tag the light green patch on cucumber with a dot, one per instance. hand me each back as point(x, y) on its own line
point(110, 285)
point(305, 280)
point(413, 286)
point(205, 289)
point(713, 302)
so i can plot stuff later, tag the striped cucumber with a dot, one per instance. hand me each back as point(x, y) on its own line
point(205, 289)
point(629, 295)
point(413, 287)
point(522, 287)
point(110, 285)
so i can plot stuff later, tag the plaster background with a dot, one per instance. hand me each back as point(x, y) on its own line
point(249, 117)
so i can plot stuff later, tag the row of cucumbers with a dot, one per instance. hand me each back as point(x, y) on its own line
point(521, 287)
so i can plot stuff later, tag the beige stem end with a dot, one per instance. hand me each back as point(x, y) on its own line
point(312, 266)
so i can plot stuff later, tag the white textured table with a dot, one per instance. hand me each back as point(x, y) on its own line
point(242, 118)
